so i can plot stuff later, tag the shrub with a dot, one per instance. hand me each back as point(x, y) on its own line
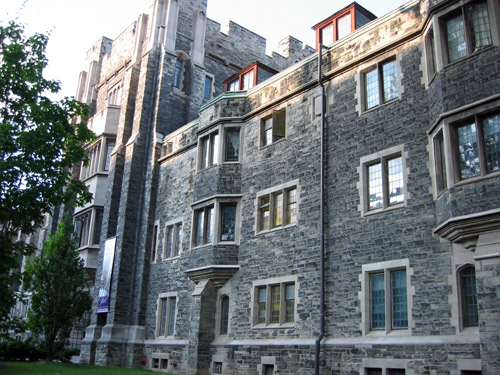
point(14, 350)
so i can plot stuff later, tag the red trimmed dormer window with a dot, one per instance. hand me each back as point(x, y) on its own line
point(341, 24)
point(249, 77)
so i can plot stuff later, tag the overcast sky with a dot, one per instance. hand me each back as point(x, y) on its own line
point(75, 25)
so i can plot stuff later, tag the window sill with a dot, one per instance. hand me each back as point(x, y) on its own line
point(391, 332)
point(179, 92)
point(384, 209)
point(367, 111)
point(462, 59)
point(87, 247)
point(477, 178)
point(262, 147)
point(220, 243)
point(101, 173)
point(207, 168)
point(274, 326)
point(276, 229)
point(171, 258)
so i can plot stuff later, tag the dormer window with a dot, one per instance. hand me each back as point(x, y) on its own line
point(249, 77)
point(341, 24)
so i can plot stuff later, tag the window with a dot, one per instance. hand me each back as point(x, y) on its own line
point(277, 209)
point(468, 294)
point(268, 369)
point(204, 226)
point(224, 315)
point(327, 35)
point(177, 73)
point(231, 144)
point(207, 93)
point(228, 221)
point(212, 150)
point(440, 162)
point(88, 227)
point(173, 241)
point(166, 316)
point(386, 297)
point(383, 180)
point(110, 145)
point(380, 371)
point(273, 128)
point(248, 80)
point(343, 26)
point(218, 367)
point(154, 243)
point(380, 84)
point(388, 300)
point(467, 31)
point(216, 221)
point(430, 51)
point(114, 95)
point(234, 85)
point(274, 302)
point(477, 146)
point(209, 146)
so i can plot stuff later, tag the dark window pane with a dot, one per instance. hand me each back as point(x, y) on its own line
point(455, 35)
point(469, 297)
point(399, 300)
point(232, 144)
point(491, 127)
point(224, 322)
point(390, 77)
point(228, 218)
point(377, 301)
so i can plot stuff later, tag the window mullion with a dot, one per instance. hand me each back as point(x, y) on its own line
point(385, 182)
point(268, 304)
point(483, 165)
point(388, 298)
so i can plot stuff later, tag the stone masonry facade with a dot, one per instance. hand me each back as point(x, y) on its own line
point(222, 228)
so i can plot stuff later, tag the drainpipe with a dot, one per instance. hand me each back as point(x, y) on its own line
point(322, 214)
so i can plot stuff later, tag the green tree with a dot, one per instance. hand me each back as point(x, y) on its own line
point(39, 144)
point(57, 280)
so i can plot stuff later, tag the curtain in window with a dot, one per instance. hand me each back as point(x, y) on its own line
point(232, 144)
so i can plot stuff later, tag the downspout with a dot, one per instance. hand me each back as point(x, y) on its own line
point(322, 214)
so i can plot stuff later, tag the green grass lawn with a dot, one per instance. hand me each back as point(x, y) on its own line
point(39, 368)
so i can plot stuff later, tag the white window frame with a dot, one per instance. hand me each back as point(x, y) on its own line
point(217, 202)
point(444, 179)
point(174, 224)
point(268, 283)
point(382, 157)
point(271, 193)
point(169, 296)
point(364, 297)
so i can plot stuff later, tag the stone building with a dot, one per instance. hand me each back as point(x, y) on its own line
point(329, 212)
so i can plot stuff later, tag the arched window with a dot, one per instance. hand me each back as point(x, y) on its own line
point(224, 315)
point(468, 293)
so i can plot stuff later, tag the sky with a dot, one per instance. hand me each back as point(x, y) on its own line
point(75, 25)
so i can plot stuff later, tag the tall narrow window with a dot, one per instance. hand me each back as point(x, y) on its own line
point(469, 296)
point(173, 240)
point(377, 301)
point(232, 144)
point(291, 216)
point(440, 162)
point(261, 305)
point(224, 320)
point(344, 26)
point(228, 221)
point(166, 314)
point(264, 213)
point(110, 145)
point(248, 80)
point(177, 73)
point(154, 243)
point(431, 53)
point(327, 35)
point(204, 218)
point(278, 210)
point(290, 303)
point(207, 93)
point(209, 146)
point(275, 304)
